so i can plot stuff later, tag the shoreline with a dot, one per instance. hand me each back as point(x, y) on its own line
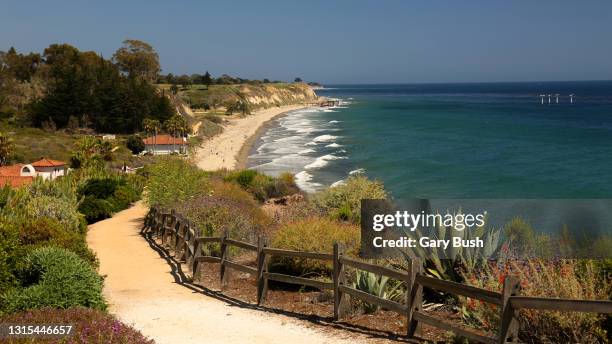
point(230, 149)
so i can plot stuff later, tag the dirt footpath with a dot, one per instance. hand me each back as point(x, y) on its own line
point(141, 291)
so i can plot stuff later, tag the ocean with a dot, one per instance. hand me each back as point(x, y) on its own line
point(472, 140)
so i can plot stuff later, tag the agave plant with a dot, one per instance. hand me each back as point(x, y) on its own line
point(376, 285)
point(443, 263)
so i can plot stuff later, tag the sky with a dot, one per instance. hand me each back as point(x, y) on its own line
point(387, 41)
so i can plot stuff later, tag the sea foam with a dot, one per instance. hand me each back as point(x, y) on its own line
point(322, 161)
point(333, 145)
point(325, 138)
point(357, 171)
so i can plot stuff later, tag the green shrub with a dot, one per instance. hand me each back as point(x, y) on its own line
point(172, 180)
point(48, 231)
point(134, 144)
point(124, 196)
point(105, 196)
point(314, 235)
point(343, 202)
point(59, 209)
point(11, 253)
point(5, 191)
point(95, 209)
point(99, 188)
point(261, 186)
point(55, 277)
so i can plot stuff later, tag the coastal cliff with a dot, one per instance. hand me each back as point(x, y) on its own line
point(257, 95)
point(279, 94)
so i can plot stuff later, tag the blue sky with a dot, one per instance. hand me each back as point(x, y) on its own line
point(336, 41)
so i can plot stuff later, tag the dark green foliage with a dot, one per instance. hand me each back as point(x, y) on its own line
point(124, 196)
point(134, 143)
point(10, 256)
point(55, 277)
point(4, 193)
point(85, 86)
point(46, 231)
point(103, 197)
point(95, 209)
point(99, 188)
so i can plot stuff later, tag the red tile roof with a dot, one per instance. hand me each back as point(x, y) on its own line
point(11, 171)
point(15, 181)
point(44, 162)
point(164, 139)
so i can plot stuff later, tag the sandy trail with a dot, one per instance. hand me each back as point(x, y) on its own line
point(142, 291)
point(222, 150)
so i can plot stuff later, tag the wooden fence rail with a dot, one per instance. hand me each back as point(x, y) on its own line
point(186, 243)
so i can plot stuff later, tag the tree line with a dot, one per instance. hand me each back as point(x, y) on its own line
point(65, 88)
point(207, 79)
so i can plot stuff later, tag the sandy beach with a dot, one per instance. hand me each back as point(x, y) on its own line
point(230, 148)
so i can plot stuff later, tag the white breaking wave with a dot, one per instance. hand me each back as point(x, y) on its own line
point(325, 138)
point(303, 180)
point(333, 122)
point(338, 183)
point(322, 161)
point(306, 151)
point(357, 171)
point(333, 145)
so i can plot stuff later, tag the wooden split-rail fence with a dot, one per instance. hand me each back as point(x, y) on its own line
point(180, 237)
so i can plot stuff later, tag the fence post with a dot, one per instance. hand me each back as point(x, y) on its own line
point(159, 229)
point(509, 327)
point(167, 227)
point(147, 220)
point(414, 298)
point(159, 219)
point(340, 299)
point(181, 241)
point(197, 252)
point(224, 256)
point(174, 234)
point(262, 266)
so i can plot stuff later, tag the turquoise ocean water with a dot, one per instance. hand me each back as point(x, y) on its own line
point(474, 140)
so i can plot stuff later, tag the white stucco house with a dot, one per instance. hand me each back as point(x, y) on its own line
point(165, 144)
point(19, 175)
point(45, 168)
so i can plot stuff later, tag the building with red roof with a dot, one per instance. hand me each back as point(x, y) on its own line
point(165, 144)
point(22, 174)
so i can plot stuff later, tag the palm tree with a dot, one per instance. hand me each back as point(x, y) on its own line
point(176, 123)
point(6, 146)
point(152, 125)
point(171, 127)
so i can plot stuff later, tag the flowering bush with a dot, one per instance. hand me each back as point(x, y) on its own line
point(89, 326)
point(226, 207)
point(572, 279)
